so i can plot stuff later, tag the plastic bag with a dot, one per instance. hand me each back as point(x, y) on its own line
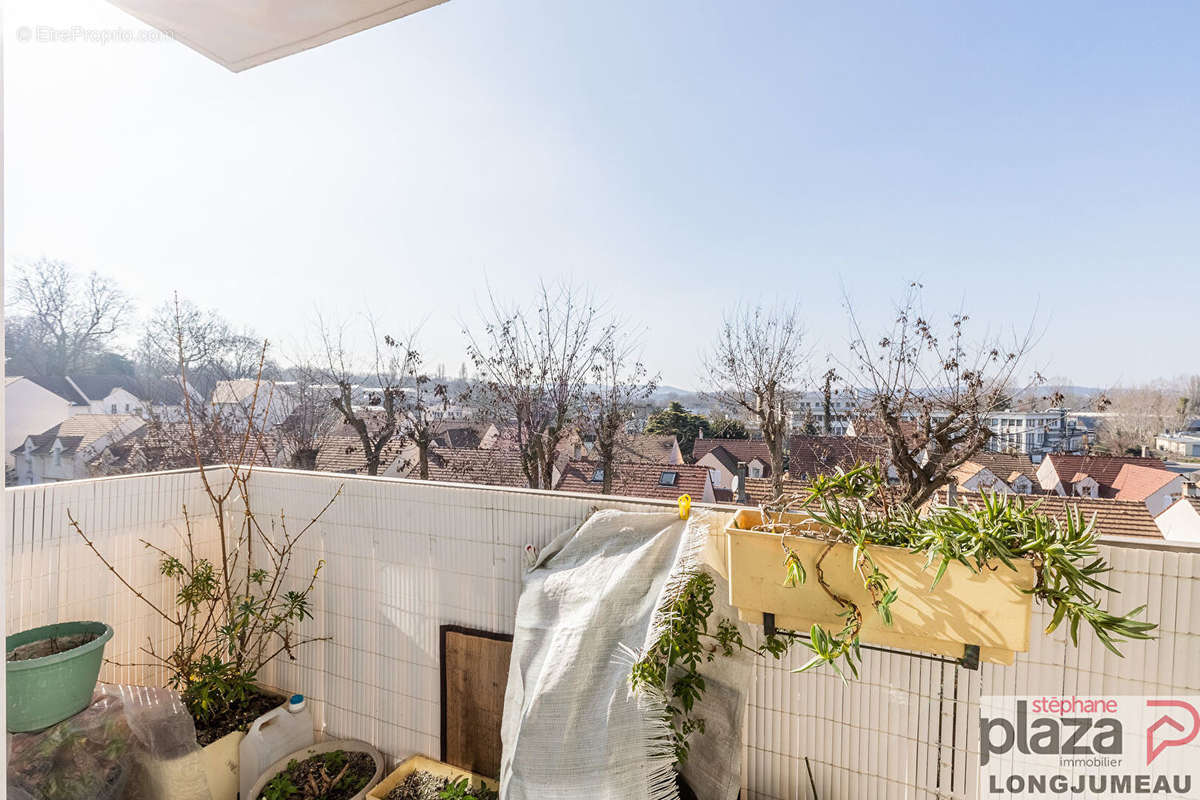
point(131, 743)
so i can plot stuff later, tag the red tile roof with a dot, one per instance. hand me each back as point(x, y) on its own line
point(821, 455)
point(1102, 469)
point(1113, 517)
point(341, 452)
point(760, 490)
point(637, 479)
point(483, 466)
point(1138, 483)
point(741, 449)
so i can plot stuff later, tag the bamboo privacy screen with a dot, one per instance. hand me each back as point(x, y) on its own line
point(404, 558)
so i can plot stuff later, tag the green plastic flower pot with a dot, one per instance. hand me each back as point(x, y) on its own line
point(45, 691)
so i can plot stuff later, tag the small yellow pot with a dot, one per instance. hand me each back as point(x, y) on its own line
point(423, 764)
point(991, 609)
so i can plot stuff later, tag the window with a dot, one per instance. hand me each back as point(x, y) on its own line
point(668, 478)
point(127, 408)
point(598, 475)
point(114, 408)
point(58, 458)
point(756, 470)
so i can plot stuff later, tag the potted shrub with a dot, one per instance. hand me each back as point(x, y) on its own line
point(421, 778)
point(51, 672)
point(235, 612)
point(849, 551)
point(342, 769)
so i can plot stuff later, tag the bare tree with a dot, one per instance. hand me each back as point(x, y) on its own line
point(307, 417)
point(620, 385)
point(64, 318)
point(757, 358)
point(827, 382)
point(424, 406)
point(373, 412)
point(205, 343)
point(533, 369)
point(931, 395)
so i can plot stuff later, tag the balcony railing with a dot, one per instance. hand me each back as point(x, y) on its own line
point(405, 557)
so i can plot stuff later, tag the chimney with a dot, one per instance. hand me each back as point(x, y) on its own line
point(700, 433)
point(578, 452)
point(1145, 451)
point(952, 493)
point(742, 498)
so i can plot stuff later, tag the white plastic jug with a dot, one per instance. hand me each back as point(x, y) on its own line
point(272, 736)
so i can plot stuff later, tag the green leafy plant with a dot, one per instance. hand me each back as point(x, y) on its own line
point(671, 666)
point(855, 507)
point(235, 612)
point(279, 788)
point(461, 790)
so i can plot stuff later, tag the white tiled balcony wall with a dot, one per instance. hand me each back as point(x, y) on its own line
point(403, 558)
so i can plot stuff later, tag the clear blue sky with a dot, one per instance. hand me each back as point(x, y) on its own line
point(674, 155)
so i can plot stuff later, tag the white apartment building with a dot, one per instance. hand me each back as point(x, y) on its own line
point(1035, 433)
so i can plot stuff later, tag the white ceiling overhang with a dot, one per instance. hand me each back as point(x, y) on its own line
point(239, 34)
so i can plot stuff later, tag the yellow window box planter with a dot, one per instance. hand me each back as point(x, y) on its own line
point(991, 609)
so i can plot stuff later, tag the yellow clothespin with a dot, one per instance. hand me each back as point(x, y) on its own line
point(685, 505)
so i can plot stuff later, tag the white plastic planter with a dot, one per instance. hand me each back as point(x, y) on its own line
point(350, 745)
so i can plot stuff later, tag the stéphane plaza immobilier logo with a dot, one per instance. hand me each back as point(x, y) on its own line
point(1113, 746)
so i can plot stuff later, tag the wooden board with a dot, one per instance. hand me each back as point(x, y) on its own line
point(474, 677)
point(989, 609)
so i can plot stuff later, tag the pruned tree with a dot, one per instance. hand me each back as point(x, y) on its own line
point(62, 321)
point(757, 359)
point(307, 416)
point(931, 394)
point(373, 412)
point(533, 369)
point(620, 384)
point(424, 405)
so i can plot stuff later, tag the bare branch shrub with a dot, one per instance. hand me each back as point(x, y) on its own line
point(757, 359)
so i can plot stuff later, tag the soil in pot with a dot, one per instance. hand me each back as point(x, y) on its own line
point(238, 718)
point(337, 775)
point(50, 646)
point(422, 785)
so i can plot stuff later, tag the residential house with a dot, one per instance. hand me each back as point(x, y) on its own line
point(640, 479)
point(1157, 488)
point(1180, 521)
point(1036, 433)
point(34, 403)
point(342, 450)
point(63, 452)
point(233, 400)
point(809, 456)
point(495, 466)
point(655, 448)
point(1181, 443)
point(169, 445)
point(762, 490)
point(1087, 476)
point(998, 472)
point(1119, 518)
point(721, 456)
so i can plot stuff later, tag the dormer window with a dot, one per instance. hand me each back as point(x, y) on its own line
point(668, 478)
point(598, 475)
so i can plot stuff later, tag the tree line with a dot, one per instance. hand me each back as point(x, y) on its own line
point(555, 367)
